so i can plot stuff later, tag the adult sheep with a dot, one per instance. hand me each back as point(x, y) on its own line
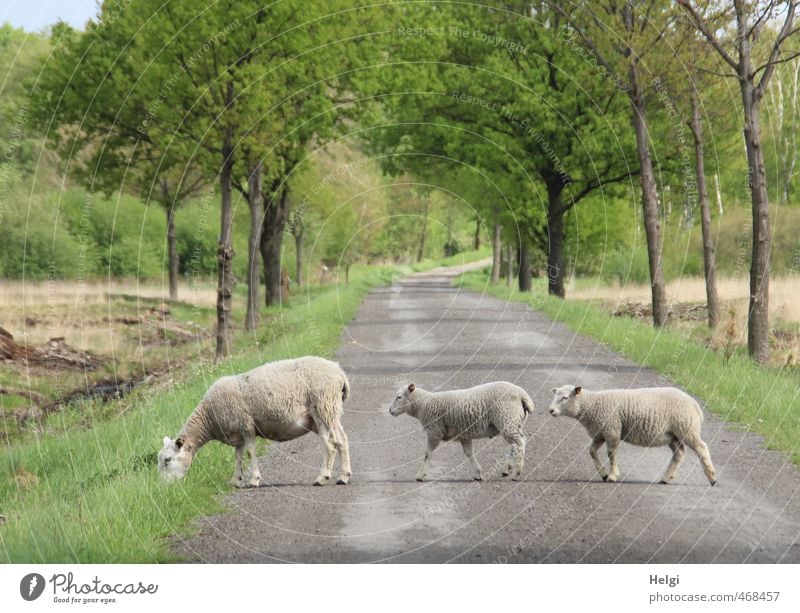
point(279, 401)
point(648, 417)
point(462, 415)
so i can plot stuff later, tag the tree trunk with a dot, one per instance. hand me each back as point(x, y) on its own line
point(423, 235)
point(275, 215)
point(758, 312)
point(254, 202)
point(652, 225)
point(172, 253)
point(496, 248)
point(510, 264)
point(524, 267)
point(297, 232)
point(555, 235)
point(225, 281)
point(709, 265)
point(477, 240)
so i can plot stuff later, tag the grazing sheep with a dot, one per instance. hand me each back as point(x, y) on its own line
point(463, 415)
point(278, 401)
point(649, 417)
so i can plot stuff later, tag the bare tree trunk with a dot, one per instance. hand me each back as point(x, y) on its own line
point(510, 264)
point(477, 241)
point(172, 253)
point(423, 235)
point(225, 281)
point(275, 216)
point(496, 247)
point(524, 267)
point(254, 202)
point(758, 312)
point(652, 225)
point(555, 234)
point(709, 264)
point(297, 232)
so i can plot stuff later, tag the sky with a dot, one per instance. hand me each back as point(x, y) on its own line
point(37, 15)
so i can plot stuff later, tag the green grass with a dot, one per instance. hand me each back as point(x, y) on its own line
point(465, 257)
point(763, 400)
point(92, 494)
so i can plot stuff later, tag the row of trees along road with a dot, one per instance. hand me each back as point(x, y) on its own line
point(525, 110)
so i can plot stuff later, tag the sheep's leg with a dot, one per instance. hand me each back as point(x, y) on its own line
point(612, 444)
point(517, 442)
point(466, 446)
point(255, 473)
point(597, 442)
point(330, 453)
point(237, 473)
point(678, 451)
point(509, 465)
point(344, 453)
point(697, 445)
point(433, 443)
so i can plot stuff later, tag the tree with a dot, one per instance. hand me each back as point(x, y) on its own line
point(629, 31)
point(736, 50)
point(784, 119)
point(530, 118)
point(107, 145)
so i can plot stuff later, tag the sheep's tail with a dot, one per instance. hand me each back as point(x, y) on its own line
point(345, 388)
point(699, 411)
point(527, 404)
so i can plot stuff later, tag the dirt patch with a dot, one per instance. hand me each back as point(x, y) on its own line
point(686, 312)
point(55, 353)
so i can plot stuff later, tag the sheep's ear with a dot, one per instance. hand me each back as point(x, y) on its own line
point(167, 441)
point(179, 442)
point(578, 389)
point(411, 387)
point(554, 390)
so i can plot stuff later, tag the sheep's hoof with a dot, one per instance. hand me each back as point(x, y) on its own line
point(321, 480)
point(611, 479)
point(663, 482)
point(604, 477)
point(254, 483)
point(477, 478)
point(420, 479)
point(713, 483)
point(341, 481)
point(504, 474)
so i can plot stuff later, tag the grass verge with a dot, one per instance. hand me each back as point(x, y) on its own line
point(92, 495)
point(760, 399)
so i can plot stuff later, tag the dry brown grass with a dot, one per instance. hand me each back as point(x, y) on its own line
point(127, 331)
point(733, 292)
point(83, 313)
point(784, 294)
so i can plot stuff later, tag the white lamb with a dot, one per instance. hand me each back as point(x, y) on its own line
point(278, 401)
point(463, 415)
point(649, 417)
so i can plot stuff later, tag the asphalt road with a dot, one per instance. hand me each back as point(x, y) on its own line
point(423, 330)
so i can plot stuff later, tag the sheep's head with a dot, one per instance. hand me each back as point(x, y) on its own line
point(174, 459)
point(565, 400)
point(402, 400)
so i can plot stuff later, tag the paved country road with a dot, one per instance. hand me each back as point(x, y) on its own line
point(423, 330)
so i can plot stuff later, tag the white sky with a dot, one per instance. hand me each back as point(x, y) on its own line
point(37, 15)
